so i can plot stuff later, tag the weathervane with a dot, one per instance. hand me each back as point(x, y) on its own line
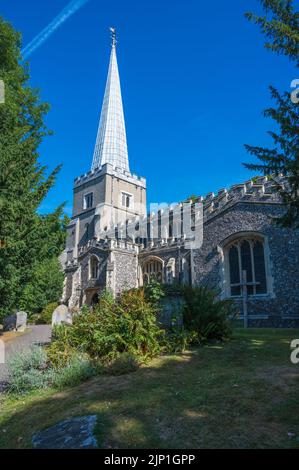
point(113, 35)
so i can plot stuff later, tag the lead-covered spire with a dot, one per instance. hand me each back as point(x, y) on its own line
point(111, 144)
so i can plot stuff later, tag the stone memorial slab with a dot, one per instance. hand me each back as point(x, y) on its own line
point(21, 321)
point(61, 315)
point(75, 433)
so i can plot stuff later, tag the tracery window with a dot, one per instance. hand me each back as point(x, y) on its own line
point(247, 254)
point(152, 269)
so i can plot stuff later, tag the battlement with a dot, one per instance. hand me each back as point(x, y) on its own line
point(110, 170)
point(108, 244)
point(259, 189)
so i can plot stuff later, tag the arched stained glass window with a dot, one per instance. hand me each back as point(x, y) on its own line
point(234, 271)
point(246, 262)
point(247, 254)
point(259, 263)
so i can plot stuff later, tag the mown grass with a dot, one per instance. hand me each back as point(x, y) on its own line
point(240, 394)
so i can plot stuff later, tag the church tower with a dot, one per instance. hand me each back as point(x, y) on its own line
point(109, 194)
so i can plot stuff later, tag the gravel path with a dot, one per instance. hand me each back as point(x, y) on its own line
point(36, 334)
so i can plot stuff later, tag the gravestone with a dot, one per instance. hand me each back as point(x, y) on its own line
point(171, 311)
point(61, 315)
point(15, 322)
point(21, 321)
point(74, 433)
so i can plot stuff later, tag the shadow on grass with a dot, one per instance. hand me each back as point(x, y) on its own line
point(241, 394)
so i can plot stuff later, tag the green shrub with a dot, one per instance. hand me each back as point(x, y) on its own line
point(153, 291)
point(32, 370)
point(123, 364)
point(60, 353)
point(206, 314)
point(138, 325)
point(45, 317)
point(174, 289)
point(117, 329)
point(178, 339)
point(114, 326)
point(78, 370)
point(29, 370)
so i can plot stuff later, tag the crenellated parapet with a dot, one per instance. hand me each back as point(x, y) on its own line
point(112, 171)
point(257, 190)
point(107, 245)
point(160, 229)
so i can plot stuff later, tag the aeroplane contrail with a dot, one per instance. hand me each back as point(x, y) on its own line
point(68, 11)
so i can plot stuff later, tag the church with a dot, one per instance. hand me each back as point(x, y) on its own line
point(225, 240)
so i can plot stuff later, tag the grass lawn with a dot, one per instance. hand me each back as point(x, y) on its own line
point(242, 394)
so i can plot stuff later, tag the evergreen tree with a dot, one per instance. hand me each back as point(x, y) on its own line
point(26, 238)
point(44, 287)
point(281, 26)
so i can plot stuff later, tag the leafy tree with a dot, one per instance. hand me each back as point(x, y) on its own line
point(26, 238)
point(44, 287)
point(284, 157)
point(281, 27)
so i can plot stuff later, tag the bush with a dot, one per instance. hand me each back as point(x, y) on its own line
point(28, 371)
point(78, 370)
point(116, 332)
point(60, 353)
point(123, 364)
point(153, 291)
point(177, 340)
point(32, 370)
point(206, 314)
point(127, 324)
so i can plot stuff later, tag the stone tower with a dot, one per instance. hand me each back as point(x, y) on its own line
point(109, 195)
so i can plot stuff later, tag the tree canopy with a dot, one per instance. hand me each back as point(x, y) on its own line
point(281, 27)
point(27, 239)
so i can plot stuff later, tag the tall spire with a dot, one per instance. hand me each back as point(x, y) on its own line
point(111, 143)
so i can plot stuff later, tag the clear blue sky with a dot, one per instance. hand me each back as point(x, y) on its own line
point(194, 79)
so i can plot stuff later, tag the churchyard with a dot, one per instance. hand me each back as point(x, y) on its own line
point(127, 322)
point(238, 394)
